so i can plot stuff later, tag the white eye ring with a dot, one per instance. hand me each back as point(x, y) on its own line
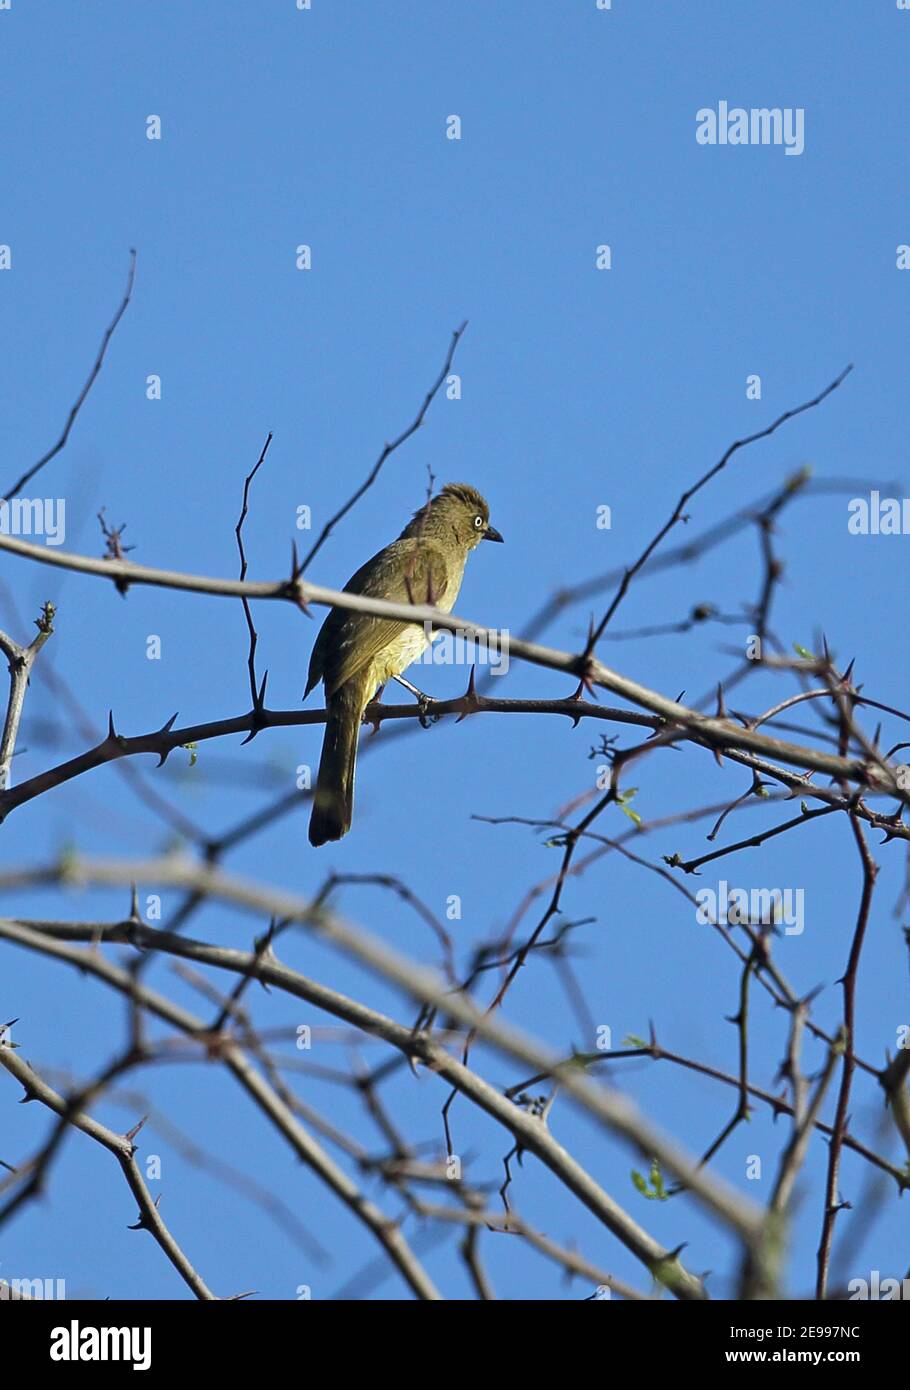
point(478, 521)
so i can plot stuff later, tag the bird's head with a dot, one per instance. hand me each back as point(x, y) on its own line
point(458, 512)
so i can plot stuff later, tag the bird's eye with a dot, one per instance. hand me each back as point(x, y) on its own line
point(478, 521)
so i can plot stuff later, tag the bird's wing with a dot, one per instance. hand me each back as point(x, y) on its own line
point(407, 571)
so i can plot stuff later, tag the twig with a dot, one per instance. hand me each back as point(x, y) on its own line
point(387, 450)
point(21, 661)
point(77, 406)
point(686, 497)
point(123, 1149)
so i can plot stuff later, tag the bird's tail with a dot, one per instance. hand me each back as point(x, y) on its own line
point(333, 804)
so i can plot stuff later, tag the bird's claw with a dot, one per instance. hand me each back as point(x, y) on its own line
point(423, 712)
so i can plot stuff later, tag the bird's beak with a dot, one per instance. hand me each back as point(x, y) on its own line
point(491, 534)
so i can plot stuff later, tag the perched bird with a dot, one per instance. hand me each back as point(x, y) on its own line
point(356, 654)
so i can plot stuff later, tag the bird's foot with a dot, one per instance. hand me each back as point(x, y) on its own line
point(424, 703)
point(374, 720)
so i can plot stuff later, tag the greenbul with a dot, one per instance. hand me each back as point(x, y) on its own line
point(356, 654)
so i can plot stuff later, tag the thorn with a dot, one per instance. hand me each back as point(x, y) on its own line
point(162, 733)
point(142, 1224)
point(585, 683)
point(111, 733)
point(257, 712)
point(262, 945)
point(589, 644)
point(577, 694)
point(470, 697)
point(897, 822)
point(131, 1134)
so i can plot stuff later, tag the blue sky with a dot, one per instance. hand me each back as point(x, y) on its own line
point(580, 388)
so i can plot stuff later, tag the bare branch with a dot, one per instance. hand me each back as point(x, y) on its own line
point(123, 1149)
point(387, 450)
point(80, 399)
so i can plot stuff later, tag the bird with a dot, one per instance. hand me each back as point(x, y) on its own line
point(355, 654)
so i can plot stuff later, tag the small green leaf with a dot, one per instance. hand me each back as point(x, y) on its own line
point(797, 480)
point(657, 1182)
point(656, 1192)
point(69, 864)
